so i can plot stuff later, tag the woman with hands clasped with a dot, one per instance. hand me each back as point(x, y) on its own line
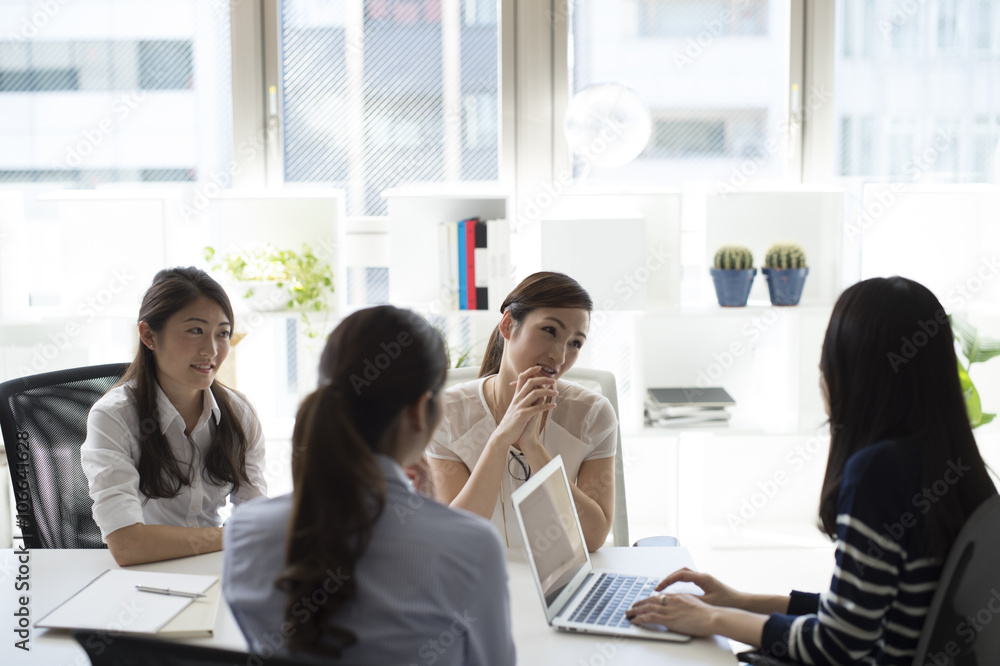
point(899, 428)
point(519, 415)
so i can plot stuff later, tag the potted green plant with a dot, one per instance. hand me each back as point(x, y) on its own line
point(733, 274)
point(976, 349)
point(270, 279)
point(785, 269)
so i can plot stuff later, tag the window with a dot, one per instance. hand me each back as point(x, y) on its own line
point(52, 66)
point(858, 23)
point(919, 119)
point(902, 142)
point(479, 12)
point(902, 26)
point(856, 145)
point(680, 19)
point(945, 145)
point(144, 98)
point(718, 104)
point(687, 138)
point(165, 65)
point(389, 92)
point(987, 26)
point(367, 285)
point(985, 131)
point(946, 25)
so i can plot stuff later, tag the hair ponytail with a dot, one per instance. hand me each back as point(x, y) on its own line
point(493, 355)
point(539, 290)
point(339, 484)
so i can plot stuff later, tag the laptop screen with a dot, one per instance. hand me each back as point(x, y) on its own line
point(554, 541)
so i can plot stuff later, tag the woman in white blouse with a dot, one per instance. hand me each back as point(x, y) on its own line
point(168, 445)
point(518, 415)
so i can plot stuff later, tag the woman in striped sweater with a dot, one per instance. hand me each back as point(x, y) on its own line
point(903, 474)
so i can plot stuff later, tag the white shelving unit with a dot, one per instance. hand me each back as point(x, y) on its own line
point(414, 216)
point(810, 217)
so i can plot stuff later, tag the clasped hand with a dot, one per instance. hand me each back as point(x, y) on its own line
point(523, 422)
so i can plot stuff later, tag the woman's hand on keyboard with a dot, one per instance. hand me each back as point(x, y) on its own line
point(716, 592)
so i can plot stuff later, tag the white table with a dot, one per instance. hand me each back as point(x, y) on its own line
point(55, 574)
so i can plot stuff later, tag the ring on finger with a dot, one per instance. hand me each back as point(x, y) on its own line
point(663, 600)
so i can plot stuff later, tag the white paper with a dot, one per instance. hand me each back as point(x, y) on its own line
point(111, 602)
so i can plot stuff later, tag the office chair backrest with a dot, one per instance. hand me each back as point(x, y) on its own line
point(959, 630)
point(105, 649)
point(602, 382)
point(43, 419)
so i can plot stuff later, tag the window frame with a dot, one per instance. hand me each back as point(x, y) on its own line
point(535, 90)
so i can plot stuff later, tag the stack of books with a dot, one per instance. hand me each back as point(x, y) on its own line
point(688, 406)
point(474, 261)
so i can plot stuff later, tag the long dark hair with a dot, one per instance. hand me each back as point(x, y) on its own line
point(538, 290)
point(375, 363)
point(891, 373)
point(160, 474)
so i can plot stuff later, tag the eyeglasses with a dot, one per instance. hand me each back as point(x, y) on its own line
point(521, 471)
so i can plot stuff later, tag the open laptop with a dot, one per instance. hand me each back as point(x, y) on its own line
point(575, 596)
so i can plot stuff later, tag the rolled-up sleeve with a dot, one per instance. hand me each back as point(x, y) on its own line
point(255, 458)
point(111, 473)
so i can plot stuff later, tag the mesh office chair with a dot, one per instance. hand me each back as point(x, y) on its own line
point(105, 649)
point(968, 587)
point(604, 383)
point(48, 414)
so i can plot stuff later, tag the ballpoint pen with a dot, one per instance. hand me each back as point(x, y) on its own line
point(173, 593)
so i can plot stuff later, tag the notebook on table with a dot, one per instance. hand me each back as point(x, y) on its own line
point(575, 596)
point(112, 603)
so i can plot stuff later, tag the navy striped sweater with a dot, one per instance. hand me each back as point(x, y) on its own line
point(883, 582)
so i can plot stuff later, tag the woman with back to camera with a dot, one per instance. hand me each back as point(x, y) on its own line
point(356, 564)
point(899, 428)
point(169, 444)
point(518, 415)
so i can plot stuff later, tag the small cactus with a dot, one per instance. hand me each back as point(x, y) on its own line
point(783, 256)
point(734, 258)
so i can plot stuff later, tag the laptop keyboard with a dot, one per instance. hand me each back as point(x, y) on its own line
point(610, 597)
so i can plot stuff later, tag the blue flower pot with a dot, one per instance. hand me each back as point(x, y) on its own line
point(732, 288)
point(786, 284)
